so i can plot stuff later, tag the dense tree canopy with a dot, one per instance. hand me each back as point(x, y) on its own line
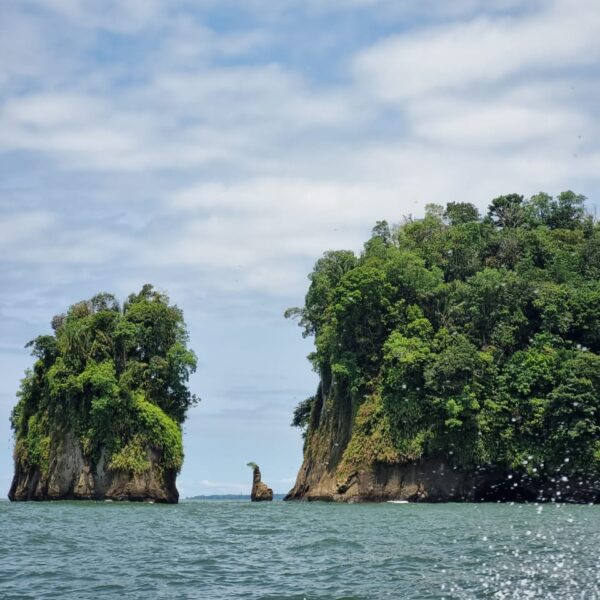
point(472, 338)
point(114, 376)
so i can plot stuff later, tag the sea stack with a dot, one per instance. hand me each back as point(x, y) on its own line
point(260, 491)
point(99, 415)
point(457, 360)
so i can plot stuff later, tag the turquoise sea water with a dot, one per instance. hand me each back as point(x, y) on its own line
point(233, 549)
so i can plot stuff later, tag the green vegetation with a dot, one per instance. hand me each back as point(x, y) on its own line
point(114, 377)
point(476, 339)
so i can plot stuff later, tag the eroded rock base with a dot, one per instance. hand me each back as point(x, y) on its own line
point(71, 476)
point(432, 480)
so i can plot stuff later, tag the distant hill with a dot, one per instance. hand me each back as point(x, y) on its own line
point(231, 497)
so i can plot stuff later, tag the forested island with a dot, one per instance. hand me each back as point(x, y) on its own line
point(458, 358)
point(99, 415)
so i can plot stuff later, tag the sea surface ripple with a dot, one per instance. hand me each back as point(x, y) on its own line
point(235, 549)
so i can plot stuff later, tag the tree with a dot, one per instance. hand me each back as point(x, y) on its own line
point(459, 213)
point(382, 231)
point(326, 274)
point(567, 212)
point(507, 211)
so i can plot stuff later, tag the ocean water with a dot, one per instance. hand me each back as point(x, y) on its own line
point(236, 549)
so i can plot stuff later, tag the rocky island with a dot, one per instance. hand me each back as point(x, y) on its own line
point(99, 416)
point(459, 358)
point(261, 492)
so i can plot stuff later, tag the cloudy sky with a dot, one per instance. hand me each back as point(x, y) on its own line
point(217, 148)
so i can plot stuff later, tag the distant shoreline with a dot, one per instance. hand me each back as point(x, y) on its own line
point(230, 497)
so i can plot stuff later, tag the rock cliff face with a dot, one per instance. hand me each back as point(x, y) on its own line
point(260, 491)
point(325, 475)
point(71, 476)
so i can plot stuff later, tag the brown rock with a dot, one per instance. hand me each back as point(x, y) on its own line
point(324, 476)
point(71, 476)
point(260, 491)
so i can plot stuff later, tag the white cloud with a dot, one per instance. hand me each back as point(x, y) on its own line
point(262, 229)
point(132, 15)
point(482, 52)
point(127, 16)
point(52, 109)
point(497, 122)
point(22, 228)
point(286, 199)
point(266, 168)
point(175, 119)
point(188, 42)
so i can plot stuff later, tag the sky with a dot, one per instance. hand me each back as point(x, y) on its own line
point(216, 149)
